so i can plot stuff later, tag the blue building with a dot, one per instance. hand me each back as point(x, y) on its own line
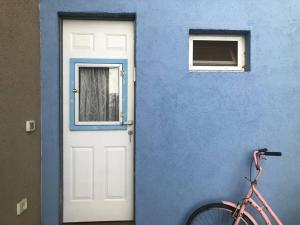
point(182, 113)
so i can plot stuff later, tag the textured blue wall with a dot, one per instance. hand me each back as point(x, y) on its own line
point(195, 131)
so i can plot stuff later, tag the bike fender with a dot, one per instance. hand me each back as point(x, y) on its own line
point(245, 212)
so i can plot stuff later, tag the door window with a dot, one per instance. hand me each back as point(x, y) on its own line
point(97, 96)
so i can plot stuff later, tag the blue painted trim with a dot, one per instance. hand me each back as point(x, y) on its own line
point(73, 62)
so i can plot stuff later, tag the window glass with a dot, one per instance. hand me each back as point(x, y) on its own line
point(215, 53)
point(98, 94)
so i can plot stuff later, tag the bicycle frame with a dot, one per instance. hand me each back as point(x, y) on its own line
point(248, 200)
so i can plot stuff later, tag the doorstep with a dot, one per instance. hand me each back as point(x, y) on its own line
point(102, 223)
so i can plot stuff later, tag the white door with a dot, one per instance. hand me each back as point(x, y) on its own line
point(98, 95)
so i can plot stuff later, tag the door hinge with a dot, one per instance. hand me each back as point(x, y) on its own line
point(134, 74)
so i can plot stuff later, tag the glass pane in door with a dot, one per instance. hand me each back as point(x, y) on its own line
point(98, 94)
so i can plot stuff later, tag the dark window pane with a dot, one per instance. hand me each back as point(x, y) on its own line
point(214, 53)
point(98, 94)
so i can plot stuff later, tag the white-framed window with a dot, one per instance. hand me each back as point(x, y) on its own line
point(219, 52)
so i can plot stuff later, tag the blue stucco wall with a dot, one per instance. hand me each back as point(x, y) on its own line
point(194, 131)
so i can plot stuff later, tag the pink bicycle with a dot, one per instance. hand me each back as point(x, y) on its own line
point(229, 213)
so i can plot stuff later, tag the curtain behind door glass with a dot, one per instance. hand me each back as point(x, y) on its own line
point(98, 94)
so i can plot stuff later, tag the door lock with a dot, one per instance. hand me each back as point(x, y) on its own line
point(130, 133)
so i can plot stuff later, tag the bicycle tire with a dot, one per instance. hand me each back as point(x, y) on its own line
point(215, 214)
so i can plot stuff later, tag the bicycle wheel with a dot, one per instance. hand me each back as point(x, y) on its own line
point(215, 214)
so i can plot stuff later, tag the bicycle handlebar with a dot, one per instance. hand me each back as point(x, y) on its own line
point(264, 151)
point(273, 154)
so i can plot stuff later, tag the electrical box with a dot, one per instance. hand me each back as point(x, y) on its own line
point(30, 126)
point(21, 206)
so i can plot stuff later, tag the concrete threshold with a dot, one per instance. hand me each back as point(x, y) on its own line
point(102, 223)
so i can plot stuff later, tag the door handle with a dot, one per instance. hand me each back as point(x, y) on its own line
point(129, 122)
